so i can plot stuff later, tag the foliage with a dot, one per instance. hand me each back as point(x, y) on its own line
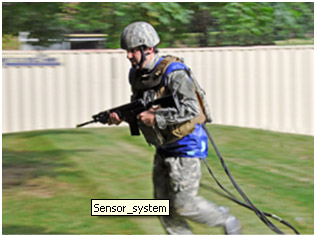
point(178, 23)
point(293, 20)
point(41, 19)
point(246, 23)
point(111, 18)
point(10, 42)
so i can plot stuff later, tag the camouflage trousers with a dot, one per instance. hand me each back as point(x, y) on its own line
point(177, 179)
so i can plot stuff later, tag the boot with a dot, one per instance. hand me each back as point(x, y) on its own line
point(232, 226)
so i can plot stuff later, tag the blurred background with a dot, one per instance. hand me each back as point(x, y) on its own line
point(183, 24)
point(62, 63)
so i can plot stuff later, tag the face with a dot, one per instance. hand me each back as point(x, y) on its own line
point(135, 55)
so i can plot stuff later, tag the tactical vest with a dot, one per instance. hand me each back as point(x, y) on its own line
point(154, 135)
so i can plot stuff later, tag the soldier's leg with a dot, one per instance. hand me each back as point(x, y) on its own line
point(185, 176)
point(174, 223)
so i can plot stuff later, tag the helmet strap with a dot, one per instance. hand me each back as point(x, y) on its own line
point(143, 57)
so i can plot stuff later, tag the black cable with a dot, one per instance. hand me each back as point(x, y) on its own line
point(249, 204)
point(246, 199)
point(234, 199)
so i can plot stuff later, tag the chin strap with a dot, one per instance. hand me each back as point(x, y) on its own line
point(143, 58)
point(248, 204)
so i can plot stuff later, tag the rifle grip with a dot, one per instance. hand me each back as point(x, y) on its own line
point(134, 128)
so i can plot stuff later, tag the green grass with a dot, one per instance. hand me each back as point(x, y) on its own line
point(49, 178)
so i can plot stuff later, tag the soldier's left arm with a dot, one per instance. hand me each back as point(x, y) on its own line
point(180, 82)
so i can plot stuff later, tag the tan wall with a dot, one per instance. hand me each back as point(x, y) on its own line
point(260, 87)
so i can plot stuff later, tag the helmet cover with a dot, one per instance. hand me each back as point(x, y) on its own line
point(139, 34)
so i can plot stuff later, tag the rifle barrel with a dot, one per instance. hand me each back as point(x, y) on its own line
point(85, 123)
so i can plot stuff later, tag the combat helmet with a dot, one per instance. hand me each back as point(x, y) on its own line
point(139, 34)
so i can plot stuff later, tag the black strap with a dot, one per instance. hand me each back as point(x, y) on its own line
point(248, 204)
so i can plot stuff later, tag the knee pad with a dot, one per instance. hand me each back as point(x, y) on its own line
point(232, 226)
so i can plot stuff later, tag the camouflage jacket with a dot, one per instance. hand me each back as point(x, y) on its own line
point(180, 82)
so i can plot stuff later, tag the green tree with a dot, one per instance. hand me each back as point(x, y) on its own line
point(293, 19)
point(40, 19)
point(204, 20)
point(250, 23)
point(111, 18)
point(245, 23)
point(178, 23)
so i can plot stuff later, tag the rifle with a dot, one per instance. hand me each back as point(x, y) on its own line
point(129, 112)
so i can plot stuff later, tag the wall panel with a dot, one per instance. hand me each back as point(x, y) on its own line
point(266, 87)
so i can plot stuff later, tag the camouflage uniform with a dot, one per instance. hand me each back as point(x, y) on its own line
point(189, 108)
point(137, 34)
point(174, 177)
point(177, 179)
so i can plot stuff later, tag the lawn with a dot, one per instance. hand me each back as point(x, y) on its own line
point(50, 176)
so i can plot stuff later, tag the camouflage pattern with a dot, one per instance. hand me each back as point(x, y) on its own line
point(180, 82)
point(167, 117)
point(202, 94)
point(139, 34)
point(177, 179)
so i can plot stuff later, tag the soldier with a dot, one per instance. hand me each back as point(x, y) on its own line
point(177, 135)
